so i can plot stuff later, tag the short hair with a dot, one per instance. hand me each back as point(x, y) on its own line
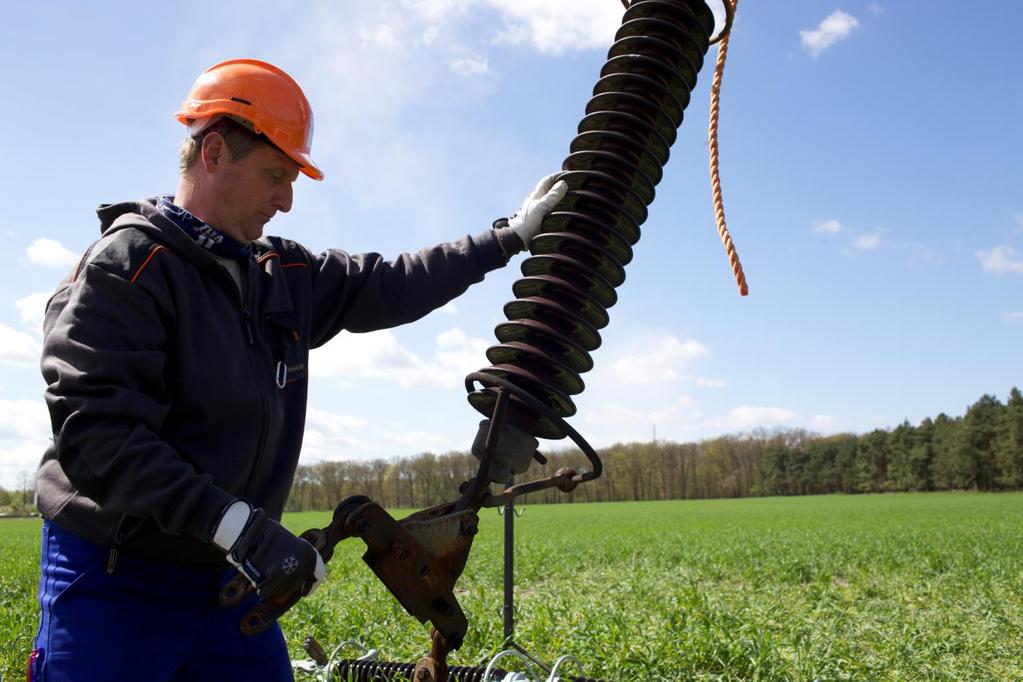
point(239, 138)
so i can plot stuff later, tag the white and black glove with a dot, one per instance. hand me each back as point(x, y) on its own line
point(525, 224)
point(274, 559)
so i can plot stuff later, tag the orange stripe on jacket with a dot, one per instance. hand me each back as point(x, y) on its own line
point(273, 254)
point(157, 248)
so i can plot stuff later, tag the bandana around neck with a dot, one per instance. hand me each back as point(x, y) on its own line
point(204, 234)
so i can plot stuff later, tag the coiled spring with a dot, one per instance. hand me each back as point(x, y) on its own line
point(579, 258)
point(357, 670)
point(368, 667)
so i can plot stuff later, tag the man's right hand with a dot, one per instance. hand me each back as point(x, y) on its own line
point(526, 221)
point(273, 559)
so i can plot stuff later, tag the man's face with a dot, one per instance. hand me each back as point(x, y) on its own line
point(248, 192)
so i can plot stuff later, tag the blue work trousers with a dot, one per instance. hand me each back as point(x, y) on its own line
point(145, 621)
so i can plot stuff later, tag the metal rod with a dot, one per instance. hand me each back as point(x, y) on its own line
point(509, 568)
point(479, 487)
point(493, 438)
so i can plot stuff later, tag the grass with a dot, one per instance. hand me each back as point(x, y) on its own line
point(885, 587)
point(19, 580)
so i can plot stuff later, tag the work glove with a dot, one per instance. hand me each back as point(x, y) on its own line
point(273, 559)
point(526, 221)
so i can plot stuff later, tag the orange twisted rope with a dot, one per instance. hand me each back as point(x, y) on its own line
point(715, 175)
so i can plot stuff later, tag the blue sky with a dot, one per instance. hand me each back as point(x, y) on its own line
point(871, 157)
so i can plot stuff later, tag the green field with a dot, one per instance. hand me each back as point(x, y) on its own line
point(883, 587)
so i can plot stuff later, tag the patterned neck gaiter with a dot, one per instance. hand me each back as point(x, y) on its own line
point(204, 234)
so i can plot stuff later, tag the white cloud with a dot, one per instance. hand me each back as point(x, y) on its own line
point(822, 423)
point(680, 417)
point(710, 383)
point(434, 10)
point(32, 308)
point(459, 354)
point(381, 35)
point(50, 253)
point(332, 436)
point(469, 66)
point(450, 308)
point(386, 56)
point(418, 441)
point(548, 26)
point(746, 417)
point(1012, 317)
point(429, 35)
point(664, 362)
point(827, 227)
point(333, 422)
point(379, 355)
point(834, 28)
point(866, 242)
point(18, 349)
point(876, 9)
point(1000, 260)
point(630, 422)
point(557, 27)
point(24, 435)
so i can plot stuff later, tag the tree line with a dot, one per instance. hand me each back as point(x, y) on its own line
point(981, 450)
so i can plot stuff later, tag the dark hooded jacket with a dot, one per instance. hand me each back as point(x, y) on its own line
point(171, 394)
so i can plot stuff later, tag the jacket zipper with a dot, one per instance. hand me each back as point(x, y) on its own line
point(115, 546)
point(253, 352)
point(264, 401)
point(120, 536)
point(247, 319)
point(252, 355)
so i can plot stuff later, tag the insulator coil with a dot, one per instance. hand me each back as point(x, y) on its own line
point(614, 164)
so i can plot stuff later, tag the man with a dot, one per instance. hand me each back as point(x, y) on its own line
point(176, 359)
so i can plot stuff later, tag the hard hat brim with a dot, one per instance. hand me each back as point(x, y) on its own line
point(306, 165)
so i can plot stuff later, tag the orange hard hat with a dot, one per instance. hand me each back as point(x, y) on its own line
point(263, 96)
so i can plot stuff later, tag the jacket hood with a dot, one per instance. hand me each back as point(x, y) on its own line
point(143, 215)
point(110, 213)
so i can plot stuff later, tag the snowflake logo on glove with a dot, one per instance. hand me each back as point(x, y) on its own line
point(289, 565)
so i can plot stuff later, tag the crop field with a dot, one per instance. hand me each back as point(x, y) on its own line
point(883, 587)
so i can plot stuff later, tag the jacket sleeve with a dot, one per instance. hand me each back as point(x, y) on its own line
point(362, 293)
point(103, 361)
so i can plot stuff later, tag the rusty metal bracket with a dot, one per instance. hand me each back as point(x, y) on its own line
point(418, 559)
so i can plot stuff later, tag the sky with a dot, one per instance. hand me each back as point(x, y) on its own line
point(871, 165)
